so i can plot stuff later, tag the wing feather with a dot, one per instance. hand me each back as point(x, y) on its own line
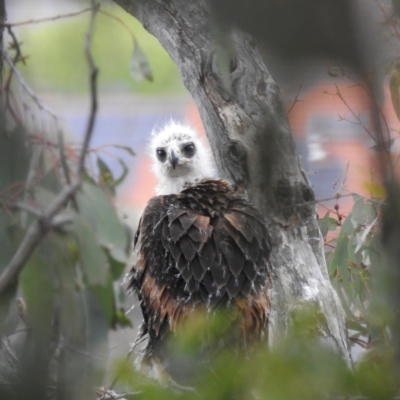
point(206, 246)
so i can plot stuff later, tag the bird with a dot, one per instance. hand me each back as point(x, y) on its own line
point(200, 246)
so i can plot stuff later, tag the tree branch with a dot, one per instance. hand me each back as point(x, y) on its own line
point(48, 19)
point(254, 150)
point(46, 222)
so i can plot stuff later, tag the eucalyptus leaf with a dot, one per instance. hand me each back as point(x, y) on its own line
point(126, 148)
point(38, 293)
point(139, 64)
point(104, 295)
point(106, 177)
point(324, 224)
point(124, 173)
point(92, 257)
point(14, 159)
point(394, 86)
point(96, 207)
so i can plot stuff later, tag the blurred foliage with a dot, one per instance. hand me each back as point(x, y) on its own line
point(299, 366)
point(54, 344)
point(57, 338)
point(55, 55)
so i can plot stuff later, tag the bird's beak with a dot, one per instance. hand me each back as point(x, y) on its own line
point(173, 157)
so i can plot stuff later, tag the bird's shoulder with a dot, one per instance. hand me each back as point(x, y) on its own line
point(208, 240)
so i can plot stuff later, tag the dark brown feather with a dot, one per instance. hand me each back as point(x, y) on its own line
point(206, 247)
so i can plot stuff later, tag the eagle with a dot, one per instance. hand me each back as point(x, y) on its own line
point(201, 246)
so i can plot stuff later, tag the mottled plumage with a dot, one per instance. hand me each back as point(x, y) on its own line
point(206, 247)
point(201, 246)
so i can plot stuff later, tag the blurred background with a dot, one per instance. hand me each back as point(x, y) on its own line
point(329, 130)
point(328, 110)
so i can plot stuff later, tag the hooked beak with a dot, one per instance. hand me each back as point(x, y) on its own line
point(173, 158)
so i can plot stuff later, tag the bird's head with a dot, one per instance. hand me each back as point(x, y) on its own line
point(179, 156)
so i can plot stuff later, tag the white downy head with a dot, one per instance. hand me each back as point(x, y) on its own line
point(179, 156)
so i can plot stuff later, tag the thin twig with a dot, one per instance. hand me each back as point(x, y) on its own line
point(47, 19)
point(93, 88)
point(21, 205)
point(33, 236)
point(26, 87)
point(296, 100)
point(357, 117)
point(42, 225)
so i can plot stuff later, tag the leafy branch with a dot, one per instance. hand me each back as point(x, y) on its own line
point(45, 222)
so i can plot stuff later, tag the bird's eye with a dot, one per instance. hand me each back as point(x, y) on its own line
point(161, 154)
point(188, 150)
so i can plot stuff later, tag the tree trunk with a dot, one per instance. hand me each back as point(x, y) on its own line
point(250, 136)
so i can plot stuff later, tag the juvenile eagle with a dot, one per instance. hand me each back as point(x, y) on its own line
point(200, 246)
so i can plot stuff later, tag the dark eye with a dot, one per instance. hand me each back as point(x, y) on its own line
point(161, 154)
point(188, 150)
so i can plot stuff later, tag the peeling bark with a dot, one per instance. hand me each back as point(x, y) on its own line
point(250, 136)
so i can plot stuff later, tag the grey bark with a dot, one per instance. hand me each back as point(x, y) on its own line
point(253, 147)
point(3, 17)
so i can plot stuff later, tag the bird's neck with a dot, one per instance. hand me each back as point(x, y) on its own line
point(175, 185)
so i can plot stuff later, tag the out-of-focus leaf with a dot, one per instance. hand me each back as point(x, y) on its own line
point(14, 159)
point(394, 86)
point(9, 241)
point(341, 255)
point(354, 325)
point(352, 255)
point(139, 64)
point(38, 293)
point(44, 197)
point(51, 181)
point(62, 252)
point(96, 207)
point(324, 224)
point(63, 158)
point(365, 234)
point(124, 173)
point(376, 190)
point(8, 244)
point(92, 257)
point(105, 297)
point(116, 267)
point(363, 212)
point(120, 319)
point(106, 177)
point(126, 148)
point(384, 146)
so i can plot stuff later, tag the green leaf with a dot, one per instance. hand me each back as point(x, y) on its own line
point(126, 148)
point(104, 295)
point(394, 86)
point(354, 325)
point(38, 293)
point(95, 206)
point(106, 177)
point(9, 240)
point(116, 267)
point(51, 181)
point(44, 197)
point(125, 171)
point(120, 319)
point(139, 64)
point(341, 255)
point(14, 159)
point(63, 158)
point(324, 224)
point(92, 257)
point(363, 212)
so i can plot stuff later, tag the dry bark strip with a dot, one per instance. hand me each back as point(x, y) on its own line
point(253, 147)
